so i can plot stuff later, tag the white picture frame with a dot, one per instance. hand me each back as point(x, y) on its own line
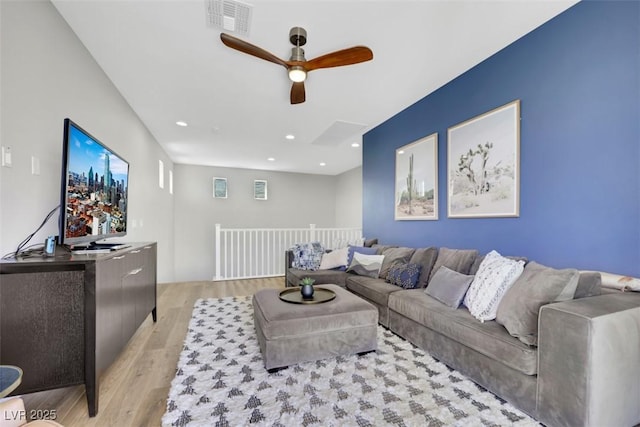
point(260, 189)
point(416, 185)
point(220, 189)
point(483, 165)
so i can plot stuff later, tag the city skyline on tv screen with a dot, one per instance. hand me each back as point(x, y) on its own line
point(96, 189)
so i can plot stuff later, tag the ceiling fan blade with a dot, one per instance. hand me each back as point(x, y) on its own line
point(352, 55)
point(297, 93)
point(248, 48)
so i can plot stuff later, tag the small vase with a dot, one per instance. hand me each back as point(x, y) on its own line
point(307, 291)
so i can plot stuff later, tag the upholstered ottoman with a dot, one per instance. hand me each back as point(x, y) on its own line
point(293, 333)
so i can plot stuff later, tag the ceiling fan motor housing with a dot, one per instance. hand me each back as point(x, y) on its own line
point(298, 36)
point(297, 54)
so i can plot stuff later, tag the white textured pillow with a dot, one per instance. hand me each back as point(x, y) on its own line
point(334, 259)
point(495, 276)
point(366, 265)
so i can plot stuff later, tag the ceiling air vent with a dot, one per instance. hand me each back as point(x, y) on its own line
point(230, 16)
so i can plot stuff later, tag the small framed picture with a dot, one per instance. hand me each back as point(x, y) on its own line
point(219, 188)
point(417, 180)
point(260, 189)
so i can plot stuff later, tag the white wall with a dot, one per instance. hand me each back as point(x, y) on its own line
point(294, 200)
point(349, 199)
point(46, 75)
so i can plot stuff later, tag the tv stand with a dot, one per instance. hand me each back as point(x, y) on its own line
point(65, 319)
point(98, 248)
point(95, 246)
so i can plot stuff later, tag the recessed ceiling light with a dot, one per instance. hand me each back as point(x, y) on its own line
point(271, 159)
point(401, 152)
point(290, 136)
point(323, 164)
point(181, 123)
point(355, 145)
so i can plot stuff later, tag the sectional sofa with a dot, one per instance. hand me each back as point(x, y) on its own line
point(581, 365)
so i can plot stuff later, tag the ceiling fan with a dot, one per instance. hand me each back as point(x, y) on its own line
point(297, 66)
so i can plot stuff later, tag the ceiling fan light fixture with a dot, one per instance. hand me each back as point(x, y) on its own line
point(297, 74)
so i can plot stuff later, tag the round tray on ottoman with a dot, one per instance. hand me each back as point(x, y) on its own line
point(294, 296)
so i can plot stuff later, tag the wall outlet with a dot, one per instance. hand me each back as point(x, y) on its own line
point(7, 162)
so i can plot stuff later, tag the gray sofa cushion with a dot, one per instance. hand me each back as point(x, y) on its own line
point(449, 287)
point(394, 256)
point(335, 277)
point(376, 290)
point(488, 338)
point(589, 285)
point(380, 248)
point(538, 285)
point(426, 257)
point(459, 260)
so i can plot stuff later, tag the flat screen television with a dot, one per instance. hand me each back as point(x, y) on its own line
point(93, 196)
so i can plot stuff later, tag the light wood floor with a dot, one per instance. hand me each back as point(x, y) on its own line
point(133, 391)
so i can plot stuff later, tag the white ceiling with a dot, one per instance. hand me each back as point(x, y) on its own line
point(170, 65)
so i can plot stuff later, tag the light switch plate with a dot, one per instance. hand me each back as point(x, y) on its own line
point(35, 165)
point(6, 157)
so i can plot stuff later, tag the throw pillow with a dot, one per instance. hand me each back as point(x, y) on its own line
point(361, 250)
point(334, 259)
point(307, 256)
point(404, 275)
point(459, 260)
point(426, 257)
point(448, 286)
point(478, 261)
point(394, 256)
point(538, 285)
point(366, 265)
point(495, 276)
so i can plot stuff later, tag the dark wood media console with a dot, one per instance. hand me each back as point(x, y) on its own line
point(65, 319)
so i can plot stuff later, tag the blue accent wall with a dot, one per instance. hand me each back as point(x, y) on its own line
point(578, 81)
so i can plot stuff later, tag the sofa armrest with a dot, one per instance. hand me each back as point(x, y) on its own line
point(589, 361)
point(288, 263)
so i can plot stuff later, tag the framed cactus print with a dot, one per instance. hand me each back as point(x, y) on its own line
point(416, 189)
point(483, 165)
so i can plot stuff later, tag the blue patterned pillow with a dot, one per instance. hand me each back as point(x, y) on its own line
point(404, 275)
point(307, 256)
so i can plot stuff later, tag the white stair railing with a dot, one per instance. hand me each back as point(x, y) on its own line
point(243, 253)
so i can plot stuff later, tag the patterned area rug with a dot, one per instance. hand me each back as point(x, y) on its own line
point(221, 381)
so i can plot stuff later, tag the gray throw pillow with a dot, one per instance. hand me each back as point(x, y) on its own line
point(537, 286)
point(589, 284)
point(426, 257)
point(459, 260)
point(394, 256)
point(448, 286)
